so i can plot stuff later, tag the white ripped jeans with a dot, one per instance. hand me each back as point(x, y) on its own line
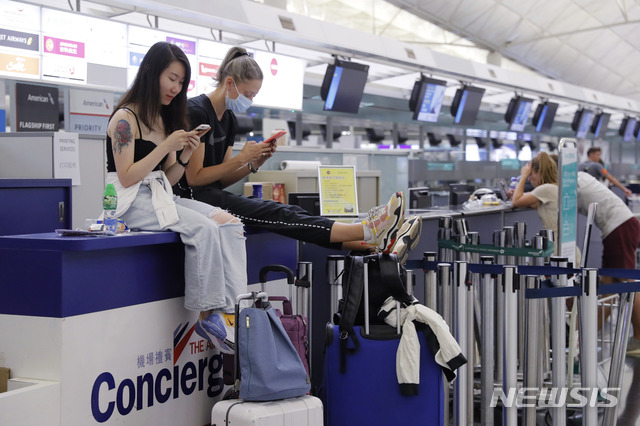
point(215, 256)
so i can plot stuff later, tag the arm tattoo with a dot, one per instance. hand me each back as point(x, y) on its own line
point(122, 136)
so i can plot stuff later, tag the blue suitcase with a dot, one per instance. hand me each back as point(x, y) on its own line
point(367, 393)
point(360, 385)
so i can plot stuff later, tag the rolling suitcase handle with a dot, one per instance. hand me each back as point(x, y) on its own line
point(291, 279)
point(300, 298)
point(301, 283)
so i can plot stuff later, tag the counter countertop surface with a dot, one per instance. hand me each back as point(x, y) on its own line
point(51, 240)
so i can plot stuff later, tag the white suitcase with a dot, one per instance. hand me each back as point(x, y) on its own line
point(301, 411)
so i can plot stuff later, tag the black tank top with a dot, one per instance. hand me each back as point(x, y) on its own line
point(141, 149)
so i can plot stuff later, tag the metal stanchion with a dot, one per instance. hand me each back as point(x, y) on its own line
point(510, 344)
point(547, 237)
point(444, 255)
point(430, 286)
point(532, 377)
point(540, 242)
point(460, 294)
point(335, 266)
point(588, 315)
point(474, 239)
point(444, 281)
point(487, 353)
point(411, 279)
point(444, 233)
point(619, 352)
point(519, 240)
point(460, 226)
point(558, 342)
point(500, 240)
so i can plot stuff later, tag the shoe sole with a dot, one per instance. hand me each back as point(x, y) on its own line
point(223, 345)
point(408, 239)
point(390, 240)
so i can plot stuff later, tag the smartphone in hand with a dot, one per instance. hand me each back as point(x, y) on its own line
point(272, 138)
point(202, 128)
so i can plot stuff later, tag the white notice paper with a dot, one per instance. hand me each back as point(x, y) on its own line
point(66, 157)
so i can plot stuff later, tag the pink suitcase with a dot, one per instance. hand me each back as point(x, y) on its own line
point(301, 411)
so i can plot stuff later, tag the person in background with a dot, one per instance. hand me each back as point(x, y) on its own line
point(542, 172)
point(620, 232)
point(213, 168)
point(148, 149)
point(594, 166)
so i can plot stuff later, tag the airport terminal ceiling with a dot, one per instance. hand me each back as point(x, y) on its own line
point(588, 43)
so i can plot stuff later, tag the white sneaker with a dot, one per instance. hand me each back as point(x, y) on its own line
point(384, 221)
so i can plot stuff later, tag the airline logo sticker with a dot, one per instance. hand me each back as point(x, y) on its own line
point(59, 46)
point(19, 40)
point(208, 70)
point(19, 65)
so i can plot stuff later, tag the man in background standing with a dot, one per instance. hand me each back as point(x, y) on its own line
point(595, 168)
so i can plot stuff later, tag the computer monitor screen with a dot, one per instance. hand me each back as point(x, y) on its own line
point(426, 99)
point(544, 116)
point(310, 201)
point(581, 122)
point(518, 113)
point(459, 193)
point(466, 104)
point(419, 197)
point(343, 86)
point(627, 128)
point(600, 124)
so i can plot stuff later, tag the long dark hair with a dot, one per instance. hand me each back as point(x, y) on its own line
point(238, 65)
point(144, 93)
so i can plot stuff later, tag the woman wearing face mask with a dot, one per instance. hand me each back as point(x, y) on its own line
point(213, 167)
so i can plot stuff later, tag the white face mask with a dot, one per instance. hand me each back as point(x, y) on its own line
point(239, 104)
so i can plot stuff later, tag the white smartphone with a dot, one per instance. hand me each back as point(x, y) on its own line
point(202, 127)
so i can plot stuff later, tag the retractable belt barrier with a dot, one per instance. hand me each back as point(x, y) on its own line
point(500, 251)
point(548, 290)
point(540, 285)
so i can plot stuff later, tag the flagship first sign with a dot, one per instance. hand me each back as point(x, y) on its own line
point(37, 108)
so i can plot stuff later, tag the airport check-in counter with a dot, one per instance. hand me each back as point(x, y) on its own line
point(94, 329)
point(98, 329)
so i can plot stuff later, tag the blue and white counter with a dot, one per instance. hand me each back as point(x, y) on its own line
point(98, 325)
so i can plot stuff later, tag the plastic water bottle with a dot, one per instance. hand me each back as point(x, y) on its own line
point(109, 205)
point(514, 182)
